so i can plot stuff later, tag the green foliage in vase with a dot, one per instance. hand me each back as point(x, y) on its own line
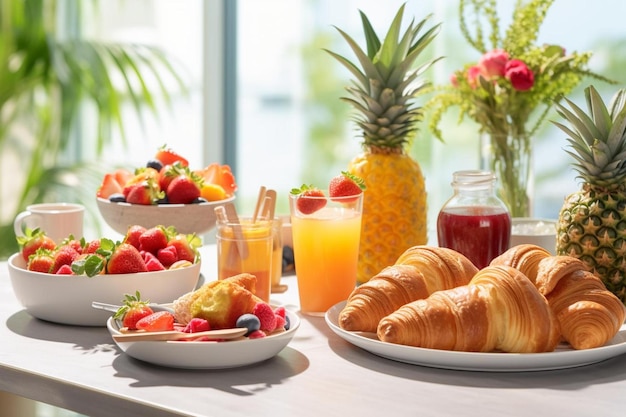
point(511, 88)
point(49, 81)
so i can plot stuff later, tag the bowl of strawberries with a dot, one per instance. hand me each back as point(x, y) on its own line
point(59, 283)
point(165, 191)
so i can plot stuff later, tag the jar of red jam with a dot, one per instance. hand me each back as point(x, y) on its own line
point(474, 221)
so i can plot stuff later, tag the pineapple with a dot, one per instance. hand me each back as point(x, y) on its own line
point(394, 206)
point(592, 221)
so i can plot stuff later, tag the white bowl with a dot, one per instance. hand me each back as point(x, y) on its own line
point(67, 299)
point(540, 232)
point(208, 355)
point(186, 218)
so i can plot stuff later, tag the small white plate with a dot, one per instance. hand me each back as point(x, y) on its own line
point(208, 355)
point(563, 357)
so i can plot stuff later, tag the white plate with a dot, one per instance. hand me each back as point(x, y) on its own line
point(208, 355)
point(563, 357)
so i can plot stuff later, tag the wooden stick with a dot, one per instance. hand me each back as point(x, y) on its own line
point(233, 218)
point(259, 202)
point(175, 335)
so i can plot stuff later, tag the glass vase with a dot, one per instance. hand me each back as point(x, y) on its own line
point(509, 157)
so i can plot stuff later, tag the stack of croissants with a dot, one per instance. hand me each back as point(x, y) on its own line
point(525, 301)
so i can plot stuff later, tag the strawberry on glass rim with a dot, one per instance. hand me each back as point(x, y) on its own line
point(346, 185)
point(310, 199)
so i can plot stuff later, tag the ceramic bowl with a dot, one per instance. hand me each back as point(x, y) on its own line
point(186, 218)
point(67, 299)
point(540, 232)
point(208, 355)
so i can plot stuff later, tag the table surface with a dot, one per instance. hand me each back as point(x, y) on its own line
point(318, 374)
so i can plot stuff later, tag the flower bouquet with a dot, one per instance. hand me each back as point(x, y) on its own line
point(509, 90)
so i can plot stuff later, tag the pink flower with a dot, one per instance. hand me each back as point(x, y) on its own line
point(493, 63)
point(520, 76)
point(473, 73)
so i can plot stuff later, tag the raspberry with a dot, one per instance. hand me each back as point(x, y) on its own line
point(266, 316)
point(280, 322)
point(168, 255)
point(257, 334)
point(280, 311)
point(196, 325)
point(153, 265)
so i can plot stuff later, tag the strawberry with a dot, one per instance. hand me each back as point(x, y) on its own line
point(132, 235)
point(183, 189)
point(40, 261)
point(185, 246)
point(153, 265)
point(125, 259)
point(122, 176)
point(153, 239)
point(139, 193)
point(346, 185)
point(310, 199)
point(109, 186)
point(219, 175)
point(92, 246)
point(64, 255)
point(78, 245)
point(33, 240)
point(167, 156)
point(133, 310)
point(157, 322)
point(65, 270)
point(168, 173)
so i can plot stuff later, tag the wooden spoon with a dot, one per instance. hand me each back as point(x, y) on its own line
point(175, 335)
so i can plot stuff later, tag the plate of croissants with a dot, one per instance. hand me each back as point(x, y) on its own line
point(526, 311)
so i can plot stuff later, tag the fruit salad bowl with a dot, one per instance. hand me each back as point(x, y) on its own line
point(67, 299)
point(196, 218)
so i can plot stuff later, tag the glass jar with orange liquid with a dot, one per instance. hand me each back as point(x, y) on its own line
point(474, 221)
point(326, 251)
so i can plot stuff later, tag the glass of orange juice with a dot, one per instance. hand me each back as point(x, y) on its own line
point(326, 248)
point(246, 247)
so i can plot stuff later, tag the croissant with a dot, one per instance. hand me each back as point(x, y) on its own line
point(418, 272)
point(589, 315)
point(499, 310)
point(525, 258)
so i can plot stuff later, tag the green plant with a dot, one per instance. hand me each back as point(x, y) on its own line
point(49, 80)
point(512, 87)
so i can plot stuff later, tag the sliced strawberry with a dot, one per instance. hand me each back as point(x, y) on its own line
point(153, 265)
point(65, 270)
point(33, 240)
point(157, 322)
point(167, 156)
point(109, 186)
point(133, 310)
point(346, 185)
point(183, 189)
point(310, 199)
point(219, 175)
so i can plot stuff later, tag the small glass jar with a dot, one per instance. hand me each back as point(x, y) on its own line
point(474, 221)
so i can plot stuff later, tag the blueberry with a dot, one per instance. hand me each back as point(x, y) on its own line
point(249, 321)
point(163, 200)
point(117, 198)
point(199, 200)
point(154, 163)
point(287, 322)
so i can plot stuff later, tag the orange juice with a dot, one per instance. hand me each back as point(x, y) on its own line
point(248, 250)
point(326, 247)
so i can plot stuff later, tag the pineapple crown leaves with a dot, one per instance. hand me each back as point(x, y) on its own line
point(597, 137)
point(385, 83)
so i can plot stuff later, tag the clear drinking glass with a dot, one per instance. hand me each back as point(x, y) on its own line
point(326, 250)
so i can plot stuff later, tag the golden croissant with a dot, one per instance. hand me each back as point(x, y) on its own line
point(418, 272)
point(589, 315)
point(525, 258)
point(499, 310)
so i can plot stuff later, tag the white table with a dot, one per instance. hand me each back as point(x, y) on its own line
point(318, 374)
